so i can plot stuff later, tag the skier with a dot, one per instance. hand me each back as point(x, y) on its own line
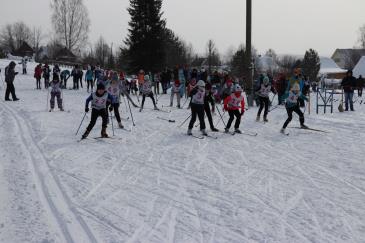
point(226, 89)
point(197, 107)
point(38, 75)
point(292, 105)
point(99, 101)
point(124, 88)
point(89, 79)
point(232, 104)
point(146, 90)
point(56, 92)
point(46, 75)
point(263, 92)
point(24, 65)
point(115, 89)
point(360, 85)
point(9, 80)
point(208, 98)
point(175, 90)
point(65, 75)
point(349, 85)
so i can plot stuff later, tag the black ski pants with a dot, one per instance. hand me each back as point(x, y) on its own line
point(264, 102)
point(209, 115)
point(148, 95)
point(94, 116)
point(197, 110)
point(232, 114)
point(290, 111)
point(10, 89)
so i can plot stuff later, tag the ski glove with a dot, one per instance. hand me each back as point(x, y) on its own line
point(242, 112)
point(87, 109)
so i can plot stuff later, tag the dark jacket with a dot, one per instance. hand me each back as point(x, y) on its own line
point(10, 73)
point(360, 83)
point(349, 84)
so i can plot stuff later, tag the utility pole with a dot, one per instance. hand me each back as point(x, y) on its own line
point(249, 68)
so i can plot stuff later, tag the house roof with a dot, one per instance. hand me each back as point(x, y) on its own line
point(359, 69)
point(24, 50)
point(329, 66)
point(349, 52)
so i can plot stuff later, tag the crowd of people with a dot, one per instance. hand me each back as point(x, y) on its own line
point(201, 89)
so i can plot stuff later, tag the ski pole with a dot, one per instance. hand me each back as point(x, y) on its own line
point(125, 103)
point(130, 111)
point(182, 107)
point(184, 121)
point(80, 124)
point(111, 118)
point(220, 116)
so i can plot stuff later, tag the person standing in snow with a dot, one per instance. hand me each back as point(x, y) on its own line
point(197, 95)
point(99, 102)
point(360, 86)
point(146, 90)
point(175, 90)
point(24, 65)
point(233, 103)
point(115, 89)
point(263, 92)
point(89, 79)
point(9, 80)
point(65, 75)
point(292, 105)
point(349, 85)
point(46, 75)
point(208, 98)
point(56, 92)
point(38, 75)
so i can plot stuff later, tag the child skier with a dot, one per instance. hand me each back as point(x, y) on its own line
point(292, 105)
point(146, 90)
point(209, 99)
point(197, 107)
point(263, 92)
point(115, 89)
point(56, 92)
point(89, 78)
point(99, 101)
point(232, 104)
point(175, 90)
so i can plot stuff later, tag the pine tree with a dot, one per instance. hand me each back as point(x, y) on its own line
point(311, 64)
point(145, 43)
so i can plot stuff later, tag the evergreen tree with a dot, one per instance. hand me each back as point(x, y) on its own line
point(311, 64)
point(145, 41)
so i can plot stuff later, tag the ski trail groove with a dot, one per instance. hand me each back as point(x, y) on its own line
point(72, 226)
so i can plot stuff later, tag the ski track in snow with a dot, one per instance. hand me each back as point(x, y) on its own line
point(157, 185)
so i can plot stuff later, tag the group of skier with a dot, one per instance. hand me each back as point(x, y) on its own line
point(201, 91)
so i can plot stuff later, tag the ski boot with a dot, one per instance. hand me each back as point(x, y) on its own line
point(236, 130)
point(258, 118)
point(282, 130)
point(103, 133)
point(178, 107)
point(61, 109)
point(189, 132)
point(140, 109)
point(204, 133)
point(226, 130)
point(85, 134)
point(265, 119)
point(214, 129)
point(120, 125)
point(50, 110)
point(156, 108)
point(302, 126)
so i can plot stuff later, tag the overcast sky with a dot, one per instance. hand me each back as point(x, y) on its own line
point(287, 26)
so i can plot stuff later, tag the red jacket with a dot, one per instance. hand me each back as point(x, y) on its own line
point(232, 102)
point(38, 72)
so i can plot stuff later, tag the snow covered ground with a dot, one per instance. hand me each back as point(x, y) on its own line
point(156, 184)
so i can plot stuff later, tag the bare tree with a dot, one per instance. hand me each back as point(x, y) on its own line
point(213, 56)
point(36, 39)
point(287, 63)
point(71, 22)
point(362, 36)
point(7, 42)
point(22, 33)
point(102, 51)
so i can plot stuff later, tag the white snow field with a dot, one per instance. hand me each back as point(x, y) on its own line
point(155, 184)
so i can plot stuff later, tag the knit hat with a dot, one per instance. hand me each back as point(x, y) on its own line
point(100, 86)
point(177, 82)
